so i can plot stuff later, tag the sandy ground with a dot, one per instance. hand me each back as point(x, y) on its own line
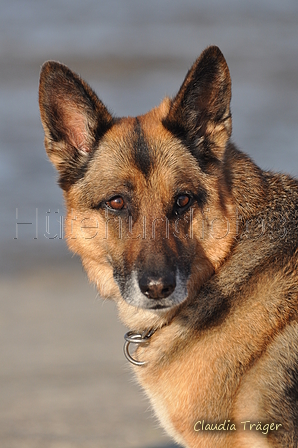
point(64, 382)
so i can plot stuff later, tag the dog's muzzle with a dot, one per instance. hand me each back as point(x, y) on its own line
point(157, 286)
point(159, 293)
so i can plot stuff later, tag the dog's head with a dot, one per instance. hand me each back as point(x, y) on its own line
point(149, 208)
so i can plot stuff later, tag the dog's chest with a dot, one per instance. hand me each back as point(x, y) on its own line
point(187, 389)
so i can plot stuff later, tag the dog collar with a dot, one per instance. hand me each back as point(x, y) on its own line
point(136, 338)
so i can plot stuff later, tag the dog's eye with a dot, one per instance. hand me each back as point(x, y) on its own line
point(116, 203)
point(183, 200)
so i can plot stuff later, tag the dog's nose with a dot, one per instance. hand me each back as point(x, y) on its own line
point(157, 286)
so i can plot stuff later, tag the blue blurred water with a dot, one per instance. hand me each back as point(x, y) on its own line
point(134, 53)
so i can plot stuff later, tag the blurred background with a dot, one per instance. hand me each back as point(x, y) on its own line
point(64, 382)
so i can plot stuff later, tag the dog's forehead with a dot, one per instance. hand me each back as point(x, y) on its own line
point(136, 155)
point(141, 158)
point(141, 147)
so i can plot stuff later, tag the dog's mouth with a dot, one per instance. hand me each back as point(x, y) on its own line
point(159, 307)
point(157, 297)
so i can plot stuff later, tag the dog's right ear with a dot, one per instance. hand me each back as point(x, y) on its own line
point(73, 118)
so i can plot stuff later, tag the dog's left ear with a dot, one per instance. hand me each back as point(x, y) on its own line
point(200, 112)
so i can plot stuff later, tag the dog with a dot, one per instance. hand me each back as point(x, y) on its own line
point(197, 246)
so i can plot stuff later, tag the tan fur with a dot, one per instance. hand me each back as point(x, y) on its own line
point(225, 351)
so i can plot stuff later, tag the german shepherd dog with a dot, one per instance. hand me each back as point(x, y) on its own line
point(197, 246)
